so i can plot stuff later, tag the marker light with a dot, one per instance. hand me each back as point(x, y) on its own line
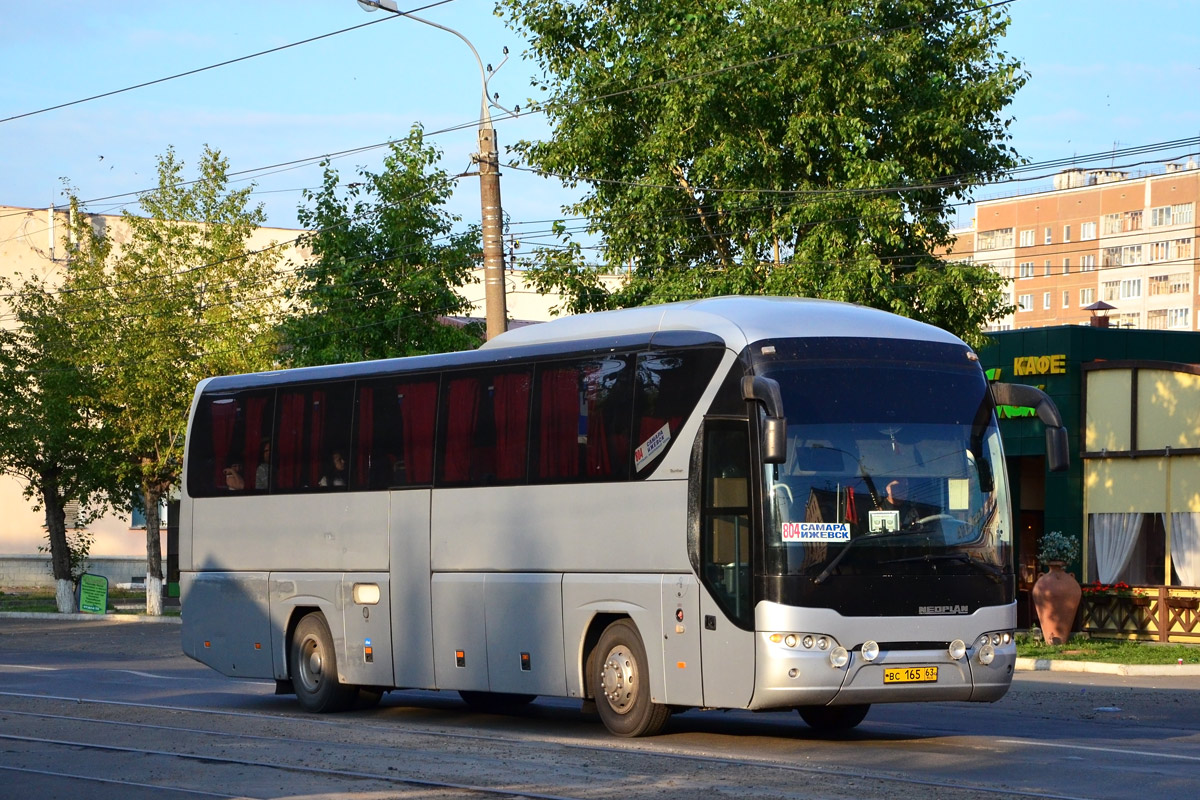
point(983, 640)
point(987, 654)
point(958, 649)
point(822, 643)
point(807, 641)
point(790, 640)
point(995, 640)
point(870, 651)
point(366, 594)
point(838, 657)
point(1007, 637)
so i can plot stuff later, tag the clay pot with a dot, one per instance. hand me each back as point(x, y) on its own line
point(1056, 599)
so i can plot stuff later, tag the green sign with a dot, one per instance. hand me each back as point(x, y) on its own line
point(93, 594)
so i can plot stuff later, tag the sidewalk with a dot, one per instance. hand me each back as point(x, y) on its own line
point(1098, 667)
point(79, 617)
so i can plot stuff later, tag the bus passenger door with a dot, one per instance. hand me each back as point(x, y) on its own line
point(727, 603)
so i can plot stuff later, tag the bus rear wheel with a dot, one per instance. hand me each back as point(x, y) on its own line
point(621, 684)
point(834, 719)
point(313, 666)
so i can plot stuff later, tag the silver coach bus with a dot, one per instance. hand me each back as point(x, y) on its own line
point(737, 502)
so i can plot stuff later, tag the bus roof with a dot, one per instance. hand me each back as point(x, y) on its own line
point(734, 321)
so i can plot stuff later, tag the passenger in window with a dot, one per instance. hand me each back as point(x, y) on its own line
point(234, 481)
point(896, 499)
point(262, 475)
point(337, 474)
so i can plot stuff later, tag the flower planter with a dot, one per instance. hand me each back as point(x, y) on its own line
point(1056, 598)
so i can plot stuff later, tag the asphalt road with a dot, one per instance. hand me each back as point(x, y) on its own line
point(104, 709)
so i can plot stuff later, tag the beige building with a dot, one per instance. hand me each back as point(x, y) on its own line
point(33, 242)
point(1098, 235)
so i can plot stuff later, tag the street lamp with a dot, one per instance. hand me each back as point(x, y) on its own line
point(489, 184)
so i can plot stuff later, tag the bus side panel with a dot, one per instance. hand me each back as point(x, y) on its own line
point(459, 627)
point(412, 608)
point(681, 640)
point(638, 597)
point(298, 590)
point(343, 531)
point(226, 622)
point(583, 527)
point(367, 659)
point(525, 634)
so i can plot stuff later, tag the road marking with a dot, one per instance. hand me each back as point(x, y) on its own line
point(26, 666)
point(148, 675)
point(1118, 751)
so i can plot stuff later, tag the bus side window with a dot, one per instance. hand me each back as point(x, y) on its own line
point(312, 438)
point(582, 420)
point(227, 446)
point(485, 435)
point(725, 524)
point(669, 384)
point(393, 433)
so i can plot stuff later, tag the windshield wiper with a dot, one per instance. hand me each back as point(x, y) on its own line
point(963, 558)
point(858, 540)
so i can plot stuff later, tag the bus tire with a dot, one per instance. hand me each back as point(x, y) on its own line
point(622, 684)
point(495, 702)
point(313, 666)
point(833, 719)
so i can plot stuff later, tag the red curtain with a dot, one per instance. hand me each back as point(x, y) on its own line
point(599, 462)
point(290, 440)
point(558, 429)
point(363, 450)
point(316, 437)
point(252, 446)
point(224, 417)
point(463, 412)
point(417, 408)
point(510, 401)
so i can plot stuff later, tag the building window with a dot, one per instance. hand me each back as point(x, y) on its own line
point(1025, 302)
point(1066, 233)
point(1027, 238)
point(1049, 236)
point(1181, 248)
point(1131, 254)
point(1111, 291)
point(1066, 267)
point(1026, 269)
point(995, 239)
point(1046, 267)
point(1087, 296)
point(1066, 299)
point(1087, 230)
point(1129, 320)
point(1160, 251)
point(1111, 223)
point(1045, 301)
point(1111, 257)
point(1178, 214)
point(1179, 317)
point(1180, 282)
point(1133, 220)
point(1086, 263)
point(1131, 288)
point(1156, 319)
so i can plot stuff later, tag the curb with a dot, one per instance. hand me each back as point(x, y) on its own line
point(1096, 667)
point(89, 617)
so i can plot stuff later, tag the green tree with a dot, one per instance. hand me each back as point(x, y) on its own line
point(180, 298)
point(772, 146)
point(385, 264)
point(51, 436)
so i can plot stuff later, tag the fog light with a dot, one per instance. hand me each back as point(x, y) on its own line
point(790, 640)
point(983, 640)
point(987, 654)
point(870, 651)
point(807, 641)
point(822, 643)
point(958, 649)
point(838, 657)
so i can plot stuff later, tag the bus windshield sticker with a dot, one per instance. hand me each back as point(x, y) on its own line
point(816, 532)
point(650, 448)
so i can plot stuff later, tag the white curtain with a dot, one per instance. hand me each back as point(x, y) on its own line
point(1185, 546)
point(1114, 536)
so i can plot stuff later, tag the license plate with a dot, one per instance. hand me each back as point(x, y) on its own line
point(910, 675)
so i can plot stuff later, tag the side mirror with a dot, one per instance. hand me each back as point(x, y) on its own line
point(766, 391)
point(1018, 394)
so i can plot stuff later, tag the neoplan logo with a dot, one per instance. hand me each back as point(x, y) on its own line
point(943, 610)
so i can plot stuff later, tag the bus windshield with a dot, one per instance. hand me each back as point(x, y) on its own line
point(892, 469)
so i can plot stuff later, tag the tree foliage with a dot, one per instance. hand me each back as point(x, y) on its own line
point(772, 146)
point(385, 264)
point(51, 433)
point(180, 298)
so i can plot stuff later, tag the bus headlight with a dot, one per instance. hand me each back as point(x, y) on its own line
point(870, 651)
point(958, 649)
point(838, 657)
point(987, 654)
point(822, 643)
point(790, 640)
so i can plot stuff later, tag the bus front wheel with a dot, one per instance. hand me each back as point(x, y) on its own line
point(313, 666)
point(833, 719)
point(622, 686)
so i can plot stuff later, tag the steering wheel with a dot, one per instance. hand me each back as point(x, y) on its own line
point(940, 518)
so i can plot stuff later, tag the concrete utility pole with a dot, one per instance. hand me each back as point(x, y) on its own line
point(488, 160)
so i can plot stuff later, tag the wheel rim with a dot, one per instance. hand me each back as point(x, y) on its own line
point(311, 663)
point(618, 679)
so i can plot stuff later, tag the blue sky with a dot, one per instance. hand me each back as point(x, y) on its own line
point(1102, 72)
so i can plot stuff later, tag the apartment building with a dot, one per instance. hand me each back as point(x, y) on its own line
point(1098, 235)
